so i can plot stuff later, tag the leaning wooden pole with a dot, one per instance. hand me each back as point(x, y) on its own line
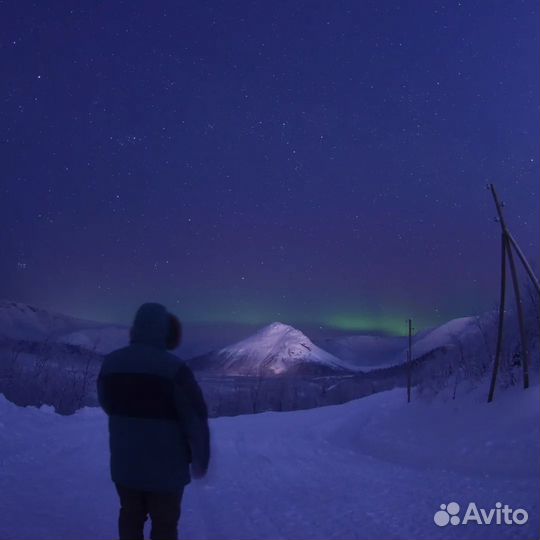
point(501, 321)
point(409, 364)
point(525, 263)
point(521, 316)
point(517, 295)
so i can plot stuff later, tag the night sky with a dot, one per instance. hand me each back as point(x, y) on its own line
point(318, 163)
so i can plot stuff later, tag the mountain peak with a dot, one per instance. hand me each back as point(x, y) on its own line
point(277, 329)
point(275, 349)
point(278, 324)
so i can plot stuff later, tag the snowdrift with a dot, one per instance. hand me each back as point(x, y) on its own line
point(371, 468)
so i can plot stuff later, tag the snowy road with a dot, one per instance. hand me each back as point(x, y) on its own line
point(373, 468)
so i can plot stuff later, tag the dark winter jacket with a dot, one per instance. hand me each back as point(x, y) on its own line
point(158, 421)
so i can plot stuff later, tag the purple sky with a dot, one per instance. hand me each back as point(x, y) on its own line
point(319, 163)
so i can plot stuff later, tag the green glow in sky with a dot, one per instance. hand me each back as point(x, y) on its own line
point(365, 323)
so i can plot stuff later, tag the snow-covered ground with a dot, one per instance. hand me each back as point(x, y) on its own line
point(371, 468)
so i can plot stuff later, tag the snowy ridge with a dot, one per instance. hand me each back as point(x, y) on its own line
point(374, 352)
point(22, 321)
point(276, 349)
point(443, 335)
point(102, 340)
point(367, 352)
point(19, 321)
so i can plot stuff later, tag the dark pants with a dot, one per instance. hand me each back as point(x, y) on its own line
point(135, 506)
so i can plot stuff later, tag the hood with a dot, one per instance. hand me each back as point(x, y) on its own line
point(151, 325)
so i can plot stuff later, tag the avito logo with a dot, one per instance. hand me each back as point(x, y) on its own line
point(500, 515)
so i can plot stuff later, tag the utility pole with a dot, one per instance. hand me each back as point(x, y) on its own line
point(508, 244)
point(527, 266)
point(409, 364)
point(501, 321)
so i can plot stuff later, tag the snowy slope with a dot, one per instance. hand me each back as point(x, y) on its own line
point(103, 339)
point(367, 352)
point(375, 468)
point(20, 321)
point(276, 349)
point(372, 352)
point(443, 335)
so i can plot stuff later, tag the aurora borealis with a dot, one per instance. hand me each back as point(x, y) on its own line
point(318, 163)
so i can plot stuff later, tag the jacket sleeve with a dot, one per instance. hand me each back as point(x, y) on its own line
point(193, 414)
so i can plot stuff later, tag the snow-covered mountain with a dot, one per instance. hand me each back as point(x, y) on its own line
point(367, 352)
point(19, 321)
point(276, 349)
point(22, 321)
point(444, 335)
point(372, 352)
point(102, 339)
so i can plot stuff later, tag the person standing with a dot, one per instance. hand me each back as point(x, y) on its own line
point(158, 425)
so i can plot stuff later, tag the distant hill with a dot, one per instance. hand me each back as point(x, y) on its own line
point(276, 349)
point(24, 322)
point(374, 352)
